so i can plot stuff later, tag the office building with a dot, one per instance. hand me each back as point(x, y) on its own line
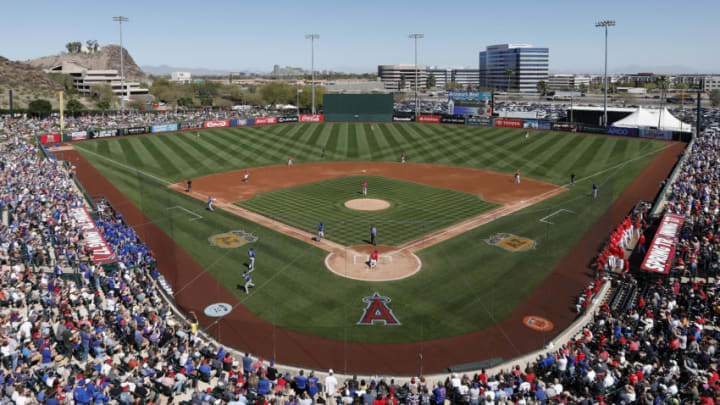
point(567, 82)
point(711, 83)
point(84, 79)
point(181, 77)
point(402, 77)
point(513, 67)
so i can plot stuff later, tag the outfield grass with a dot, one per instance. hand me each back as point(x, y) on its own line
point(465, 284)
point(416, 209)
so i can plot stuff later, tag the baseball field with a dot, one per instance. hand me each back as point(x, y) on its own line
point(470, 280)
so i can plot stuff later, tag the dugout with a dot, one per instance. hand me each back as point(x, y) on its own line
point(358, 107)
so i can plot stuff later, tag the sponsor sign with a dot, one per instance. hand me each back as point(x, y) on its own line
point(530, 124)
point(232, 239)
point(403, 119)
point(265, 120)
point(192, 125)
point(507, 123)
point(280, 120)
point(450, 119)
point(49, 138)
point(592, 129)
point(655, 134)
point(79, 135)
point(661, 253)
point(538, 323)
point(435, 119)
point(544, 125)
point(377, 310)
point(164, 128)
point(510, 242)
point(103, 133)
point(311, 118)
point(238, 123)
point(470, 102)
point(622, 131)
point(99, 249)
point(251, 121)
point(475, 120)
point(136, 130)
point(217, 124)
point(218, 310)
point(560, 126)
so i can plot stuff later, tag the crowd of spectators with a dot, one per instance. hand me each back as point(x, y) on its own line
point(75, 332)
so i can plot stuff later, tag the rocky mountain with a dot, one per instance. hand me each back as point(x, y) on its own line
point(107, 57)
point(27, 83)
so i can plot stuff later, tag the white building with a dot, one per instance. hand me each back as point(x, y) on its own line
point(402, 77)
point(181, 77)
point(84, 79)
point(567, 82)
point(711, 83)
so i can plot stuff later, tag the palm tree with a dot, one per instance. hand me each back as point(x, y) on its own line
point(508, 73)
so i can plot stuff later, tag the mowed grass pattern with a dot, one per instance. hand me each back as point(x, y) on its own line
point(416, 209)
point(465, 284)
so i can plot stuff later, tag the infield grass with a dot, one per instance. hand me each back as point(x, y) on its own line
point(464, 285)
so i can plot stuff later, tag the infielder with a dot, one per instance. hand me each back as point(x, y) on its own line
point(189, 186)
point(364, 189)
point(595, 191)
point(251, 255)
point(248, 281)
point(289, 160)
point(373, 235)
point(402, 158)
point(321, 232)
point(517, 176)
point(373, 259)
point(210, 203)
point(246, 176)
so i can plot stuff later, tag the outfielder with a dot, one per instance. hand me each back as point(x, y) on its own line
point(210, 203)
point(251, 255)
point(321, 232)
point(364, 189)
point(527, 134)
point(373, 259)
point(572, 179)
point(517, 176)
point(402, 158)
point(595, 191)
point(248, 281)
point(246, 176)
point(198, 134)
point(289, 160)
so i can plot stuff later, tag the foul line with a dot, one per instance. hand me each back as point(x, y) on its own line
point(132, 169)
point(543, 219)
point(186, 210)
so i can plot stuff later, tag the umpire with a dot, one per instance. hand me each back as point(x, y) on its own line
point(373, 234)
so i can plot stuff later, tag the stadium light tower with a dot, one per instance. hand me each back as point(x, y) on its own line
point(415, 37)
point(312, 38)
point(605, 24)
point(121, 19)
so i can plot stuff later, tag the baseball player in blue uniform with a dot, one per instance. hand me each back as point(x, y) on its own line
point(595, 191)
point(248, 281)
point(321, 232)
point(251, 255)
point(210, 203)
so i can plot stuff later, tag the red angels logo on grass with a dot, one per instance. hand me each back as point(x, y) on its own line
point(378, 311)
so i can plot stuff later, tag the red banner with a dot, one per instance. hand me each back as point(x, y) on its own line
point(661, 253)
point(217, 124)
point(311, 118)
point(435, 119)
point(507, 123)
point(99, 249)
point(49, 138)
point(265, 120)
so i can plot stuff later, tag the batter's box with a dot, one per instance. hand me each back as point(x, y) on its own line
point(546, 219)
point(387, 259)
point(195, 216)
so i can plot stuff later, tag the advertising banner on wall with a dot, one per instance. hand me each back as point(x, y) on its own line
point(470, 102)
point(49, 138)
point(136, 130)
point(103, 133)
point(99, 249)
point(660, 254)
point(311, 118)
point(507, 123)
point(164, 128)
point(79, 135)
point(192, 125)
point(403, 119)
point(281, 120)
point(217, 124)
point(531, 124)
point(435, 119)
point(591, 129)
point(475, 120)
point(620, 131)
point(452, 119)
point(655, 134)
point(544, 125)
point(265, 120)
point(238, 123)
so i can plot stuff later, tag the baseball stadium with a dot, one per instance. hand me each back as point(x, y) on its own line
point(485, 236)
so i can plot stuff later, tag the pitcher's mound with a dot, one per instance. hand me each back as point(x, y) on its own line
point(367, 204)
point(352, 262)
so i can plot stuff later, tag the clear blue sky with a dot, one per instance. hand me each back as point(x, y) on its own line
point(359, 35)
